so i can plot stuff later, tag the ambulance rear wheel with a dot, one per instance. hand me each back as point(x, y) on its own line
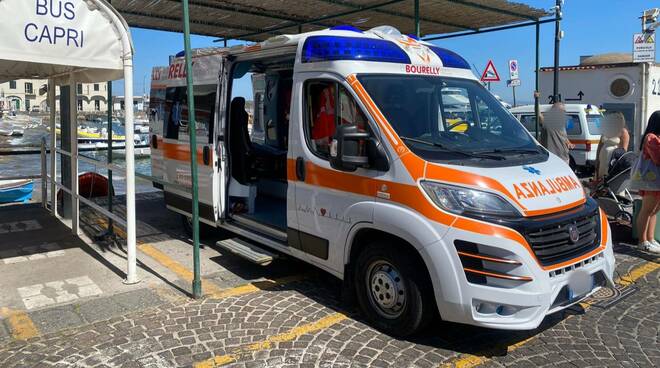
point(393, 294)
point(204, 229)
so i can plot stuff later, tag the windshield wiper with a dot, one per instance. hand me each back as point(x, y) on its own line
point(512, 150)
point(447, 149)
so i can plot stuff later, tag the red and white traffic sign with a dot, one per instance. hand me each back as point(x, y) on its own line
point(490, 73)
point(513, 69)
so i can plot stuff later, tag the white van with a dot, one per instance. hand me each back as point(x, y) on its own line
point(583, 126)
point(353, 164)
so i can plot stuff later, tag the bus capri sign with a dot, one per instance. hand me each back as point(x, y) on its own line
point(64, 32)
point(53, 34)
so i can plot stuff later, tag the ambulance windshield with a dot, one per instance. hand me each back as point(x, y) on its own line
point(449, 118)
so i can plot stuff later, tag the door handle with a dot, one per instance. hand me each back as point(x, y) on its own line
point(206, 155)
point(300, 169)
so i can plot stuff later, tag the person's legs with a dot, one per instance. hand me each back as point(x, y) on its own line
point(644, 216)
point(650, 231)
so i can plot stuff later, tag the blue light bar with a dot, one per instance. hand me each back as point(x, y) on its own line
point(346, 27)
point(450, 59)
point(328, 48)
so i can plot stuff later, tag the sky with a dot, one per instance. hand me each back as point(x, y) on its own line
point(590, 27)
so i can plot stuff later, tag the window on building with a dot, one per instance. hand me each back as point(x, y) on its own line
point(27, 105)
point(80, 89)
point(96, 87)
point(324, 114)
point(28, 88)
point(80, 105)
point(12, 84)
point(97, 105)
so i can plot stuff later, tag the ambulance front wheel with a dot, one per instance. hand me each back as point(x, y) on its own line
point(393, 294)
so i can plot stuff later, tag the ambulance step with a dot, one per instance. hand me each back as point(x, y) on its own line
point(247, 250)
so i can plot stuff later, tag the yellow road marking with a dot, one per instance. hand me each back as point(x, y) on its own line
point(470, 361)
point(637, 273)
point(208, 287)
point(292, 334)
point(21, 325)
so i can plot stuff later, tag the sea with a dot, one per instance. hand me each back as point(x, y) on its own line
point(25, 165)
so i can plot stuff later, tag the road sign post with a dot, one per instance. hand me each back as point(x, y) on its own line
point(514, 80)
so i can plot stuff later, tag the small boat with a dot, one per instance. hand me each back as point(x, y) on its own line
point(16, 191)
point(91, 185)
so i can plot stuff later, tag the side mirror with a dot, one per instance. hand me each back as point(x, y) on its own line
point(351, 148)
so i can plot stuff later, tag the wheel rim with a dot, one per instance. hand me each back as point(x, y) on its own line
point(387, 293)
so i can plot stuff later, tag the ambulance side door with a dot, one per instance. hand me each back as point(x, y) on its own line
point(328, 202)
point(220, 154)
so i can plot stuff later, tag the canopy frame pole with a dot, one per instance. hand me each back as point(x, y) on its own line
point(73, 128)
point(555, 88)
point(492, 29)
point(537, 94)
point(131, 274)
point(418, 32)
point(110, 136)
point(53, 145)
point(192, 131)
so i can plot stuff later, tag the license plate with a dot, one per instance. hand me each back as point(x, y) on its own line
point(580, 283)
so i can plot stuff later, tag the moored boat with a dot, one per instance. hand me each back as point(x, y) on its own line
point(16, 190)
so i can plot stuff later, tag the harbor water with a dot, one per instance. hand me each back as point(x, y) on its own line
point(23, 165)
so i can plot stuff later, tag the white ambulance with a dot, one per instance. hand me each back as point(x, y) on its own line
point(382, 160)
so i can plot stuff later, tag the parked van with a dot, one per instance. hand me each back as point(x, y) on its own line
point(350, 160)
point(582, 126)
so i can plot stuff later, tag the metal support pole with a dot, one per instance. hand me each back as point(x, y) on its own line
point(109, 102)
point(537, 96)
point(225, 43)
point(131, 222)
point(558, 15)
point(53, 145)
point(73, 126)
point(65, 141)
point(192, 129)
point(418, 32)
point(514, 95)
point(44, 175)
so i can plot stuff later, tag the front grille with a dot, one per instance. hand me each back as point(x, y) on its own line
point(551, 243)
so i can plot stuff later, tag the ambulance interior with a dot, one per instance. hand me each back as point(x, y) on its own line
point(257, 140)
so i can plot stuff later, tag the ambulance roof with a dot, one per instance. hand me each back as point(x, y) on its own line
point(384, 45)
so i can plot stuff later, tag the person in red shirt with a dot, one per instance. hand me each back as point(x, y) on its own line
point(324, 118)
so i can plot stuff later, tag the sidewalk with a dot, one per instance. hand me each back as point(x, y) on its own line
point(282, 315)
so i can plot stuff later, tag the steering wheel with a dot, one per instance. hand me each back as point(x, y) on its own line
point(458, 123)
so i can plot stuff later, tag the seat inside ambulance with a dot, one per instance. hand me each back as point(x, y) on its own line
point(257, 141)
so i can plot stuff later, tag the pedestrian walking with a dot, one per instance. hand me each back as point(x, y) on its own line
point(645, 178)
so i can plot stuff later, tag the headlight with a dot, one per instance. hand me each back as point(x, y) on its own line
point(460, 200)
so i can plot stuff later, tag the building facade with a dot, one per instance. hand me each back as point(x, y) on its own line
point(630, 88)
point(31, 95)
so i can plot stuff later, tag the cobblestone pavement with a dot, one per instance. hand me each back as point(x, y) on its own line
point(302, 324)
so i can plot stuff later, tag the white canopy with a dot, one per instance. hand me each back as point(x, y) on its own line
point(52, 38)
point(68, 42)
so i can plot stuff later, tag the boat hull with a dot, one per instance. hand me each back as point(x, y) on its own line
point(18, 193)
